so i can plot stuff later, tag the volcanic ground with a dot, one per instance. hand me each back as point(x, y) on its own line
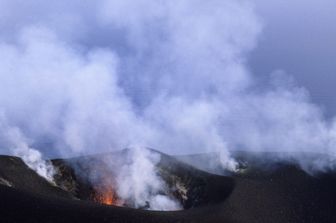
point(258, 192)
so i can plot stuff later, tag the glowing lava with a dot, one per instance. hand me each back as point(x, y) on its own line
point(106, 196)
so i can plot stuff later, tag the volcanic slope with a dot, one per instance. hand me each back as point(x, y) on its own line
point(283, 194)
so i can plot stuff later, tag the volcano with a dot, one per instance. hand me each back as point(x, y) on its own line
point(283, 193)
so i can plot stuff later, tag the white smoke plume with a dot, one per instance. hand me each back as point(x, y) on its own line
point(13, 140)
point(87, 77)
point(139, 183)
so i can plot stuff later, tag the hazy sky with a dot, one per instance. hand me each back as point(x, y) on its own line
point(300, 37)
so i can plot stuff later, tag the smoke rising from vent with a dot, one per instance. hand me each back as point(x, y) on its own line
point(138, 182)
point(83, 78)
point(12, 139)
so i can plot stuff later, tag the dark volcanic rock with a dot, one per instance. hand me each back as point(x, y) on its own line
point(281, 194)
point(16, 174)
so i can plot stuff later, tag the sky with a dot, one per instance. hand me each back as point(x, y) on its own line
point(300, 38)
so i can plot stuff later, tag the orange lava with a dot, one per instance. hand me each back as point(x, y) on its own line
point(106, 196)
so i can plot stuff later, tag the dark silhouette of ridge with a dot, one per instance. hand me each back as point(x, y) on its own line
point(283, 193)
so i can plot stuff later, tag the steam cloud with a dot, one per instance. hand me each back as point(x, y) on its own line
point(12, 139)
point(79, 78)
point(139, 183)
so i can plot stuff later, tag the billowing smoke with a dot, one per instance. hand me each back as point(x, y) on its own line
point(87, 77)
point(139, 183)
point(12, 139)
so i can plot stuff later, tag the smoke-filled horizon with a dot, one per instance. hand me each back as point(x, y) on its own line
point(88, 77)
